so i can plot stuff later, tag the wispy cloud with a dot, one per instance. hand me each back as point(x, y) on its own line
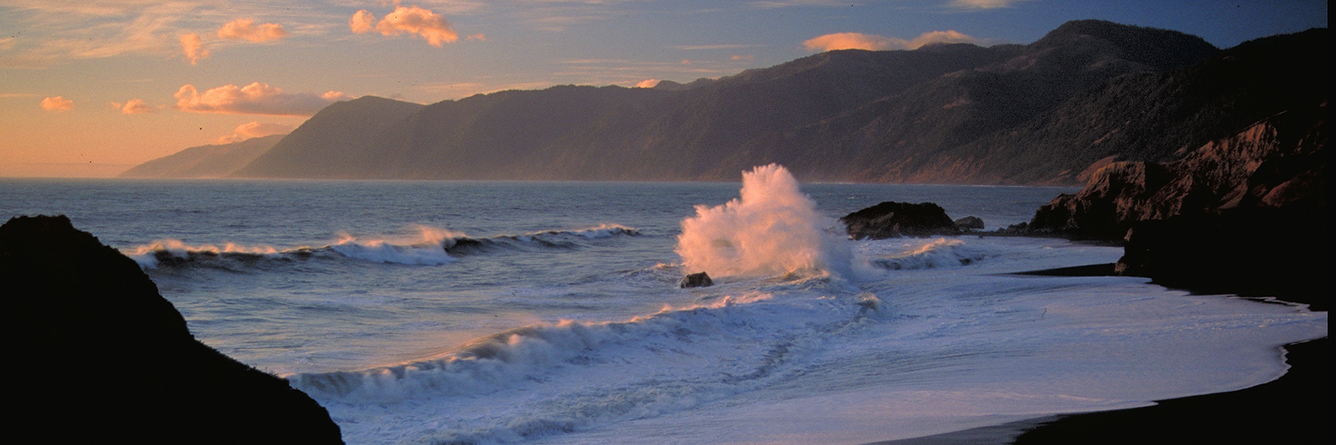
point(774, 4)
point(254, 130)
point(193, 48)
point(134, 106)
point(256, 98)
point(712, 47)
point(410, 20)
point(984, 4)
point(246, 29)
point(854, 40)
point(57, 103)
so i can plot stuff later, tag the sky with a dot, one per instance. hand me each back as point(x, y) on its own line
point(90, 88)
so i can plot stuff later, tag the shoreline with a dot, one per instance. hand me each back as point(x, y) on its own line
point(1292, 409)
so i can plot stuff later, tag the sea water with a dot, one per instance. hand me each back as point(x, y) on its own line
point(550, 312)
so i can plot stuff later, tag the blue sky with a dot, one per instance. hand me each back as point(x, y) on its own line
point(90, 88)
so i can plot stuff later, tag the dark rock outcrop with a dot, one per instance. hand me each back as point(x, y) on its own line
point(1244, 214)
point(1274, 163)
point(94, 354)
point(696, 280)
point(896, 219)
point(969, 223)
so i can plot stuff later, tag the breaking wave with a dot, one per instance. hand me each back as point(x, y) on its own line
point(771, 229)
point(430, 247)
point(701, 353)
point(939, 252)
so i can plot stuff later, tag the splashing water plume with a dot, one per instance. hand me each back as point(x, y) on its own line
point(772, 229)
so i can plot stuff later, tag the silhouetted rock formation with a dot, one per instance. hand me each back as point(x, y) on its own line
point(895, 219)
point(969, 223)
point(696, 280)
point(1242, 214)
point(94, 354)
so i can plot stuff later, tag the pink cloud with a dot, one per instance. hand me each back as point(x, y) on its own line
point(135, 106)
point(254, 130)
point(57, 103)
point(648, 83)
point(362, 22)
point(245, 29)
point(193, 48)
point(984, 4)
point(872, 42)
point(256, 98)
point(410, 20)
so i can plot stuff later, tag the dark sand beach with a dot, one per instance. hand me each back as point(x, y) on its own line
point(1293, 409)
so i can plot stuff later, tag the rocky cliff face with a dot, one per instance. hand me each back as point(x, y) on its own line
point(1243, 214)
point(95, 355)
point(1279, 162)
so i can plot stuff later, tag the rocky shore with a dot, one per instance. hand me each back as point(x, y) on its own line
point(95, 354)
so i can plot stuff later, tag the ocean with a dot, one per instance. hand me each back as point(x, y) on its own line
point(425, 312)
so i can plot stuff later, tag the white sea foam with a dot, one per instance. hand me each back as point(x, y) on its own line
point(772, 229)
point(148, 256)
point(428, 248)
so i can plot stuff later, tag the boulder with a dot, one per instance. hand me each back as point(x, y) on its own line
point(895, 219)
point(969, 223)
point(95, 354)
point(696, 280)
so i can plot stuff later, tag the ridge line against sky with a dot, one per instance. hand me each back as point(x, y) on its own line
point(91, 88)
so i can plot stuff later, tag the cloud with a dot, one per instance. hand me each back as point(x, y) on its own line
point(245, 29)
point(134, 106)
point(362, 22)
point(193, 48)
point(854, 40)
point(256, 98)
point(57, 103)
point(647, 83)
point(254, 130)
point(410, 20)
point(984, 4)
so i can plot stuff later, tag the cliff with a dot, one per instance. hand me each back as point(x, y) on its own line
point(958, 113)
point(95, 355)
point(1242, 214)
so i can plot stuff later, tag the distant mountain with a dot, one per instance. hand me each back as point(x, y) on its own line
point(206, 161)
point(1049, 112)
point(334, 143)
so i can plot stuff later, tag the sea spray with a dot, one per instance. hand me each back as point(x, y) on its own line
point(772, 229)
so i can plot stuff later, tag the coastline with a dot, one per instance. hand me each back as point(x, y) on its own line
point(1293, 409)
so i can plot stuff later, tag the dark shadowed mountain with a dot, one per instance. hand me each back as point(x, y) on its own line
point(1049, 112)
point(206, 161)
point(335, 143)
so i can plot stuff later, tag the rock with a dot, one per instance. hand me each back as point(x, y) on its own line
point(696, 280)
point(1256, 251)
point(1277, 162)
point(895, 219)
point(969, 223)
point(94, 353)
point(1243, 214)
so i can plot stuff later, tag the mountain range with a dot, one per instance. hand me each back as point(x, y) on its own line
point(1051, 112)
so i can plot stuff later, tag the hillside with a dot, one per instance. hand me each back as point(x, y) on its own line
point(1088, 93)
point(206, 161)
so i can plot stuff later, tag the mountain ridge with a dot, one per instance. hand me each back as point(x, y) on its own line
point(1088, 93)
